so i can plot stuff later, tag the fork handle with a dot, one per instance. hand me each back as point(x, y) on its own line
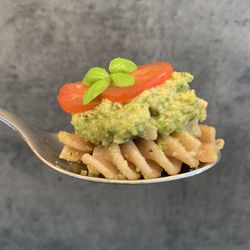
point(9, 119)
point(13, 121)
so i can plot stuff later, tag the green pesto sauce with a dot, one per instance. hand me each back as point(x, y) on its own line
point(168, 107)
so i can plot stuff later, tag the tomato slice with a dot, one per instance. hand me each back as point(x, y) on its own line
point(146, 76)
point(70, 98)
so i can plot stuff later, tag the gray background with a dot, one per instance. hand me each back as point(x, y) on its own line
point(44, 44)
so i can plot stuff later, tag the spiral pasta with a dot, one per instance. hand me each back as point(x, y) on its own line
point(144, 158)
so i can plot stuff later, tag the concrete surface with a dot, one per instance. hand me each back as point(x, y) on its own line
point(44, 44)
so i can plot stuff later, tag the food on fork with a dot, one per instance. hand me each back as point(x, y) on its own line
point(136, 122)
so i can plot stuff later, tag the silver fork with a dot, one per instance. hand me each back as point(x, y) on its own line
point(47, 148)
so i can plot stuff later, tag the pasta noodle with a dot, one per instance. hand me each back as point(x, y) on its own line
point(151, 133)
point(151, 151)
point(207, 133)
point(144, 157)
point(74, 141)
point(127, 168)
point(70, 154)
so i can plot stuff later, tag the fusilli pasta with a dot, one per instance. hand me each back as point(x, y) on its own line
point(143, 157)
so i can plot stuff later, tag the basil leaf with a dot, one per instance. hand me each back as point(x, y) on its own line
point(122, 80)
point(121, 65)
point(95, 74)
point(94, 90)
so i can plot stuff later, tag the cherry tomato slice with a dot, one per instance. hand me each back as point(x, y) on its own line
point(146, 77)
point(70, 98)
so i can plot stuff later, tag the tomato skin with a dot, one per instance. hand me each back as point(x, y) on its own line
point(70, 98)
point(146, 76)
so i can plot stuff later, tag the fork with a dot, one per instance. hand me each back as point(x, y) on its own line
point(47, 147)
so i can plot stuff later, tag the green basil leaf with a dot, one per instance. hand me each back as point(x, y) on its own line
point(94, 90)
point(95, 74)
point(122, 80)
point(121, 65)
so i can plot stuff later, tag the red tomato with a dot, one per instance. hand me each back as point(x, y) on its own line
point(70, 98)
point(146, 76)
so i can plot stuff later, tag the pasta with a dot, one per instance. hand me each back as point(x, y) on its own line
point(146, 157)
point(70, 154)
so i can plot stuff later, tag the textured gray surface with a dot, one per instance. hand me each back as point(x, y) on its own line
point(46, 43)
